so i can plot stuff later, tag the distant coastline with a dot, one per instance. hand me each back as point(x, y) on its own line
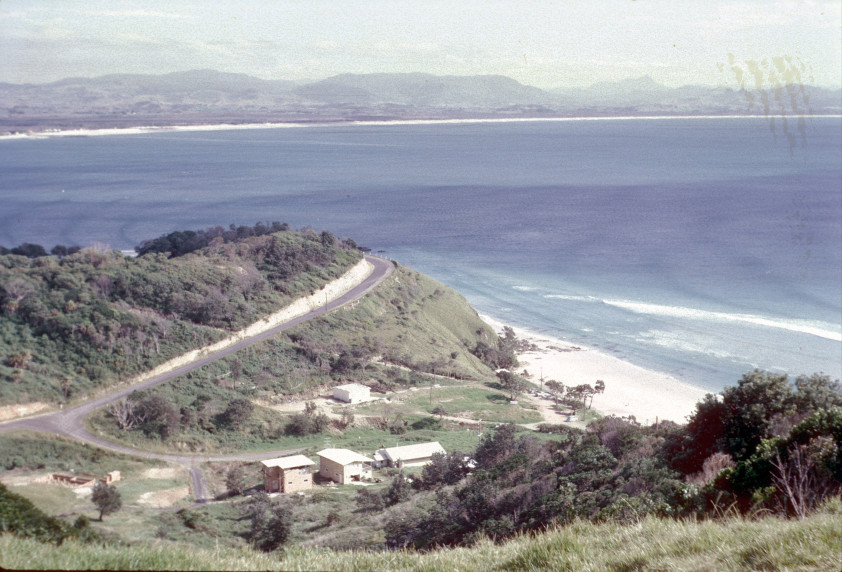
point(146, 129)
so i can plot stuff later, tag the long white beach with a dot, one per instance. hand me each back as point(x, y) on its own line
point(286, 125)
point(646, 394)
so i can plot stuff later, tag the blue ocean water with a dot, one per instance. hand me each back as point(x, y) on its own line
point(698, 247)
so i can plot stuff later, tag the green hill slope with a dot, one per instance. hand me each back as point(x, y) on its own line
point(410, 332)
point(70, 325)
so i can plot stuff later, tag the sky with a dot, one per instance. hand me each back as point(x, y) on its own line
point(548, 44)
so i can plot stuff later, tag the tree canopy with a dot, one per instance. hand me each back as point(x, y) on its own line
point(106, 498)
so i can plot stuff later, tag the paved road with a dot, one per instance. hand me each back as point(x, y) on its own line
point(69, 422)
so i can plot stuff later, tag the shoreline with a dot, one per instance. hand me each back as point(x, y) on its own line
point(646, 394)
point(141, 130)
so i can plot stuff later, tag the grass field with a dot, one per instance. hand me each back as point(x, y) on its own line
point(467, 402)
point(651, 544)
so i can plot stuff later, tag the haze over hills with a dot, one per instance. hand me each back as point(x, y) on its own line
point(207, 96)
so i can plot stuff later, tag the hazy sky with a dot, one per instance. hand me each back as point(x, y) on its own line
point(542, 43)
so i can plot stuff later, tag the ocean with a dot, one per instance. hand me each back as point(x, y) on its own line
point(702, 248)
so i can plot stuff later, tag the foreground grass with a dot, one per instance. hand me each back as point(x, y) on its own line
point(652, 544)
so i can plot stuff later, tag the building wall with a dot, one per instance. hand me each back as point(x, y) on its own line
point(272, 479)
point(362, 470)
point(420, 462)
point(351, 396)
point(293, 480)
point(296, 479)
point(331, 470)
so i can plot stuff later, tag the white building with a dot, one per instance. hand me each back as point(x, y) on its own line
point(352, 393)
point(409, 455)
point(343, 465)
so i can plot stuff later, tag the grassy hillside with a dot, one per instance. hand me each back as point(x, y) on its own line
point(651, 544)
point(73, 323)
point(411, 332)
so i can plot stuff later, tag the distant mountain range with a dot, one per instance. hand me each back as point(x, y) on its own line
point(206, 96)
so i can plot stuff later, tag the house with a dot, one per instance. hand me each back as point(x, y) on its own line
point(380, 459)
point(410, 455)
point(287, 474)
point(352, 393)
point(343, 465)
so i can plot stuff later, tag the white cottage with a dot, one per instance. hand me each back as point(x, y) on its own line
point(352, 393)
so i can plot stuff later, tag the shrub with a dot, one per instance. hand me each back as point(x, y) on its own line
point(399, 490)
point(238, 412)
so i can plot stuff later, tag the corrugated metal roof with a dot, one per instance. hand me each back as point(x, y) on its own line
point(417, 451)
point(288, 462)
point(343, 456)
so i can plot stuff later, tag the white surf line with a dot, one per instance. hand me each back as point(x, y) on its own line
point(695, 314)
point(140, 130)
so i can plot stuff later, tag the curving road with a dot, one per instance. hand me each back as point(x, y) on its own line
point(69, 422)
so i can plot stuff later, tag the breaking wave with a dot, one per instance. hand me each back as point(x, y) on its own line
point(820, 329)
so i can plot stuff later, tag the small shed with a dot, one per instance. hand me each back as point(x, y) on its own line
point(352, 393)
point(410, 455)
point(343, 465)
point(380, 459)
point(287, 474)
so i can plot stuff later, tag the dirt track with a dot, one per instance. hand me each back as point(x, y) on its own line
point(69, 422)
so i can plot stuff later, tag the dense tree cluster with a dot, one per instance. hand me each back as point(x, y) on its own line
point(37, 251)
point(500, 355)
point(309, 422)
point(271, 522)
point(764, 444)
point(182, 242)
point(398, 491)
point(68, 324)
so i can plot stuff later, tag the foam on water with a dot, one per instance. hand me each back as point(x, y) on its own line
point(820, 329)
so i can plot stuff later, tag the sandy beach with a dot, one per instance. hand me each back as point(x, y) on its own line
point(629, 389)
point(143, 129)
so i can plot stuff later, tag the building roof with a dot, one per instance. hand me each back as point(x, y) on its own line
point(353, 387)
point(343, 456)
point(417, 451)
point(288, 462)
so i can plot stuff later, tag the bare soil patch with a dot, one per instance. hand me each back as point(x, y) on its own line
point(15, 411)
point(161, 499)
point(19, 478)
point(162, 473)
